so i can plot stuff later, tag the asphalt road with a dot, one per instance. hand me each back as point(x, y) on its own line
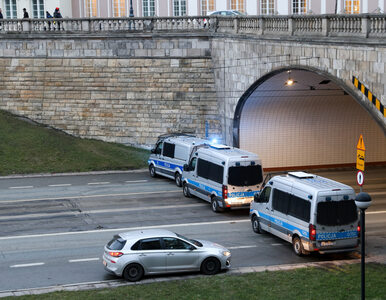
point(53, 228)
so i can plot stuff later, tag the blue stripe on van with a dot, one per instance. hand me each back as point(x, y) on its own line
point(204, 187)
point(325, 236)
point(160, 163)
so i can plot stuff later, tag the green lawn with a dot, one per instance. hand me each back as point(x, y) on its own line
point(31, 148)
point(311, 283)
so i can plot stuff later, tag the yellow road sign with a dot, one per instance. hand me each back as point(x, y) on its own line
point(360, 160)
point(361, 144)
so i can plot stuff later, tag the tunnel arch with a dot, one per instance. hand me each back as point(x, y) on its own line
point(314, 123)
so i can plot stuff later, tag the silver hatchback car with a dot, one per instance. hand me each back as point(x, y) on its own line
point(137, 253)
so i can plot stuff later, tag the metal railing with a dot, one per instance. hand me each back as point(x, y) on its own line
point(364, 25)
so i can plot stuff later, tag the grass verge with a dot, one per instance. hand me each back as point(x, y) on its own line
point(30, 148)
point(334, 282)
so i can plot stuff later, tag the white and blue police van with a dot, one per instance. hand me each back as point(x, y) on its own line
point(170, 154)
point(226, 177)
point(311, 212)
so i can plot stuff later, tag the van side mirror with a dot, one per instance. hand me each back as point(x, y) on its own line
point(256, 197)
point(186, 168)
point(152, 151)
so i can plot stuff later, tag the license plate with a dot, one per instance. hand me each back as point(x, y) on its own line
point(329, 243)
point(105, 263)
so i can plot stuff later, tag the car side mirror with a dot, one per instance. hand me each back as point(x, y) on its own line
point(186, 168)
point(152, 151)
point(191, 248)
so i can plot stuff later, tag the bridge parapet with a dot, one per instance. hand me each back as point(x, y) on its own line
point(364, 25)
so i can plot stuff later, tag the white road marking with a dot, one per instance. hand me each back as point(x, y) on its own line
point(136, 181)
point(21, 187)
point(100, 211)
point(98, 183)
point(126, 229)
point(88, 196)
point(83, 259)
point(278, 244)
point(27, 265)
point(241, 247)
point(58, 185)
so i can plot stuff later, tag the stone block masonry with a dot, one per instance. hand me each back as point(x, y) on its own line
point(126, 100)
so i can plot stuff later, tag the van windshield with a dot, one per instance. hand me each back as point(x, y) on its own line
point(245, 175)
point(333, 213)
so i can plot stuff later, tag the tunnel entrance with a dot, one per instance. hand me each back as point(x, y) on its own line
point(312, 123)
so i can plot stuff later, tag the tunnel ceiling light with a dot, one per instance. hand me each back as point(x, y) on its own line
point(289, 81)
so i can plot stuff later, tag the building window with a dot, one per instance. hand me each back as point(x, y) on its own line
point(207, 6)
point(148, 8)
point(299, 7)
point(352, 6)
point(238, 5)
point(10, 9)
point(119, 8)
point(91, 8)
point(267, 7)
point(179, 7)
point(38, 9)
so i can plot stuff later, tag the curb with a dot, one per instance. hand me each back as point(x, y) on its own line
point(237, 271)
point(73, 173)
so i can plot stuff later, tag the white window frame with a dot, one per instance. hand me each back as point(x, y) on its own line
point(299, 7)
point(119, 5)
point(150, 4)
point(210, 6)
point(179, 11)
point(349, 9)
point(238, 5)
point(10, 13)
point(268, 4)
point(39, 13)
point(88, 13)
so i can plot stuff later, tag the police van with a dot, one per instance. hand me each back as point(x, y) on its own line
point(311, 212)
point(224, 176)
point(170, 154)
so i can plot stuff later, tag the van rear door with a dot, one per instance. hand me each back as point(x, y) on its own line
point(336, 220)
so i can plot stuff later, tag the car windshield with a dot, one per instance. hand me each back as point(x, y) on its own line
point(245, 175)
point(117, 243)
point(194, 242)
point(335, 213)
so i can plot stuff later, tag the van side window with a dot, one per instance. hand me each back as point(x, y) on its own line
point(158, 148)
point(169, 150)
point(291, 205)
point(264, 196)
point(299, 208)
point(192, 165)
point(210, 171)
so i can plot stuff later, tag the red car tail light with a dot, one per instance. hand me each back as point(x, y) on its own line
point(115, 254)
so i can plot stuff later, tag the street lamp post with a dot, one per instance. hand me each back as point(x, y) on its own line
point(363, 201)
point(131, 13)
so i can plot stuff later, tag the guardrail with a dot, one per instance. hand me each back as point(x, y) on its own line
point(364, 25)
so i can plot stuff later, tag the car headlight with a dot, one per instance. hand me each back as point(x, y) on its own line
point(226, 253)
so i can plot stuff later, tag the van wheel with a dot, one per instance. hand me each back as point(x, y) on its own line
point(177, 178)
point(256, 225)
point(152, 171)
point(297, 246)
point(214, 205)
point(185, 190)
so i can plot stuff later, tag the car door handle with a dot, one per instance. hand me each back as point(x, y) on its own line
point(142, 255)
point(170, 254)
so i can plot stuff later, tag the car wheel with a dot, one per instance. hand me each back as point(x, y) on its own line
point(210, 266)
point(186, 191)
point(256, 225)
point(177, 178)
point(133, 272)
point(214, 205)
point(152, 171)
point(297, 246)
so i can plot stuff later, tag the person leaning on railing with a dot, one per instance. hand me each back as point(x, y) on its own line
point(57, 15)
